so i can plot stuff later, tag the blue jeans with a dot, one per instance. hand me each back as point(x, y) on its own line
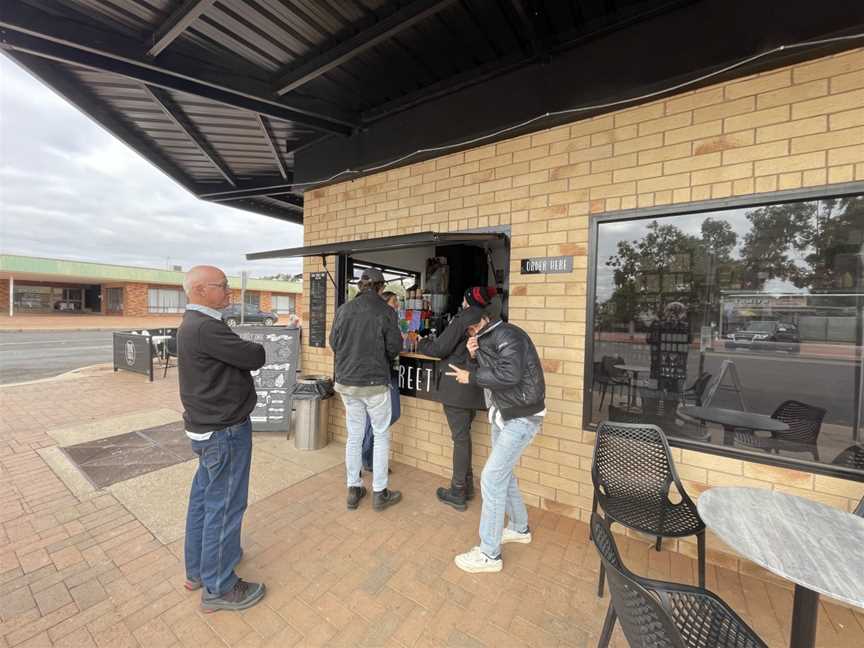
point(498, 483)
point(395, 412)
point(377, 408)
point(217, 502)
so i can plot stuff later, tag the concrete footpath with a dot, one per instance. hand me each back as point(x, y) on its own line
point(83, 567)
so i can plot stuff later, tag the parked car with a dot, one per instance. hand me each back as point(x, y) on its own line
point(231, 316)
point(766, 335)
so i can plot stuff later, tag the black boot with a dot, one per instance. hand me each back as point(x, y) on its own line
point(382, 499)
point(355, 494)
point(453, 496)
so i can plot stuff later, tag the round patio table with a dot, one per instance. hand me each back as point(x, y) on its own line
point(732, 419)
point(633, 371)
point(819, 548)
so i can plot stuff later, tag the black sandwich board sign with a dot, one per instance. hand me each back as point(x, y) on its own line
point(274, 381)
point(133, 352)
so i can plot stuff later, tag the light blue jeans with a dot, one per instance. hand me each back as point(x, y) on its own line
point(377, 408)
point(498, 483)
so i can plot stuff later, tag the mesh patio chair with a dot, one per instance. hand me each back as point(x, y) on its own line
point(170, 351)
point(657, 614)
point(693, 393)
point(608, 375)
point(633, 472)
point(805, 424)
point(851, 457)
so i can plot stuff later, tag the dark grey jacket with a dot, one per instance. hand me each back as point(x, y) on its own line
point(450, 347)
point(508, 365)
point(365, 338)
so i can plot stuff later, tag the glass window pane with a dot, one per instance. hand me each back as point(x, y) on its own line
point(744, 309)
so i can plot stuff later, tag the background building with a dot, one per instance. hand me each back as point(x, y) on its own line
point(32, 285)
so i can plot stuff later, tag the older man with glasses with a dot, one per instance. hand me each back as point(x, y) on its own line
point(218, 395)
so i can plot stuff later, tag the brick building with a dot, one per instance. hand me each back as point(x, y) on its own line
point(790, 134)
point(31, 285)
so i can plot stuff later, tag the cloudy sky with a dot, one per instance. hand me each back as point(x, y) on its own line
point(69, 189)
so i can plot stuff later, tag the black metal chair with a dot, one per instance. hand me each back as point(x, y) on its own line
point(608, 375)
point(693, 394)
point(805, 424)
point(851, 457)
point(632, 472)
point(624, 415)
point(169, 350)
point(658, 614)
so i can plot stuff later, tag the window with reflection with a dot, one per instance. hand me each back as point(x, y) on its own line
point(739, 328)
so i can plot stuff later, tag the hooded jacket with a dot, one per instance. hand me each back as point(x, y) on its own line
point(450, 347)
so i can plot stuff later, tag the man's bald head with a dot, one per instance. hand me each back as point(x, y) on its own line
point(207, 286)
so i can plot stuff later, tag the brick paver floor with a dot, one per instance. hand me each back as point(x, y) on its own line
point(84, 573)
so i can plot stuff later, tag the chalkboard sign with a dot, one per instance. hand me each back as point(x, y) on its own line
point(273, 381)
point(133, 352)
point(317, 309)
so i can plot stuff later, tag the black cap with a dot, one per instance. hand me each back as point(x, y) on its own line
point(372, 274)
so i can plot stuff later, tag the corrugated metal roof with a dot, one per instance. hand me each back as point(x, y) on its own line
point(187, 82)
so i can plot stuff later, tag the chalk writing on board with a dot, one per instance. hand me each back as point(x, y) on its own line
point(273, 381)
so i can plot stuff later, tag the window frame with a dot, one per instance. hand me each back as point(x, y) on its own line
point(694, 208)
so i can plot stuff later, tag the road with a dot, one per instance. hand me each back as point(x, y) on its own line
point(42, 354)
point(768, 379)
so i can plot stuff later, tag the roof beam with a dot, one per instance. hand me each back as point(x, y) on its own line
point(274, 146)
point(176, 24)
point(286, 213)
point(28, 30)
point(311, 68)
point(182, 121)
point(218, 193)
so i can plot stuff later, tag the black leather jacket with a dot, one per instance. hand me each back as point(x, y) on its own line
point(507, 364)
point(365, 338)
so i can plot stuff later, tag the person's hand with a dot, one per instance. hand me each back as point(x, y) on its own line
point(472, 345)
point(461, 375)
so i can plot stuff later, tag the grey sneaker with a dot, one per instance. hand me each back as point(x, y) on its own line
point(243, 595)
point(382, 499)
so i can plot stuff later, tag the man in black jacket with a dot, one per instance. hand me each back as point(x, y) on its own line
point(460, 401)
point(218, 395)
point(366, 340)
point(508, 369)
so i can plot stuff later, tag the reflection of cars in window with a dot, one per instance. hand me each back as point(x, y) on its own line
point(231, 315)
point(766, 335)
point(65, 306)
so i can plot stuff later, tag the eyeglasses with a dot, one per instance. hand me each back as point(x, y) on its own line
point(223, 285)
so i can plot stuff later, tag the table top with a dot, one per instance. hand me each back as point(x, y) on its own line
point(735, 418)
point(808, 543)
point(633, 368)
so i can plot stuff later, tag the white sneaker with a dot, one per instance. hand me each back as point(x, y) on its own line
point(514, 536)
point(476, 562)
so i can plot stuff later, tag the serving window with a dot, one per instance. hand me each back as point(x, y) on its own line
point(752, 308)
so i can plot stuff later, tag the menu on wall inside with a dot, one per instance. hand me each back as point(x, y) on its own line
point(273, 381)
point(317, 309)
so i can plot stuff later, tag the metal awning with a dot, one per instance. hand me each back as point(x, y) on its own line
point(400, 242)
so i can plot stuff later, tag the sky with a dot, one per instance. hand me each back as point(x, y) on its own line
point(71, 190)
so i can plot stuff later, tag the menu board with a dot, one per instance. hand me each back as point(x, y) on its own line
point(274, 381)
point(317, 309)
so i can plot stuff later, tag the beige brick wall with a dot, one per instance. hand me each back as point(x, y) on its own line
point(801, 126)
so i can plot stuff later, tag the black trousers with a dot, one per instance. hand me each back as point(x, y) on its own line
point(459, 419)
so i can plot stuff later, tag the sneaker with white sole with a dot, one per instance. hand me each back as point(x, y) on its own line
point(515, 536)
point(476, 562)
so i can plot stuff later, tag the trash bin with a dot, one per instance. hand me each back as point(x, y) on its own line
point(311, 395)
